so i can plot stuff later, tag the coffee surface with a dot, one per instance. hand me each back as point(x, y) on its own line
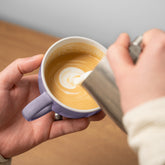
point(67, 64)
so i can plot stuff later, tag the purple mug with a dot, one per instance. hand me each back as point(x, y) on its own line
point(47, 102)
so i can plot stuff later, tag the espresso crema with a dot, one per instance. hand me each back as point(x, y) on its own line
point(65, 65)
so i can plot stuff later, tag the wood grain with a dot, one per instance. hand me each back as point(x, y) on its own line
point(102, 143)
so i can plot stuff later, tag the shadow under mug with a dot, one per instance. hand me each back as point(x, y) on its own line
point(47, 102)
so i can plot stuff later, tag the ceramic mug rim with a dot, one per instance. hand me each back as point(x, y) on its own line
point(49, 52)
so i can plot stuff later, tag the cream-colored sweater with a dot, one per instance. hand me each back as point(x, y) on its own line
point(4, 161)
point(145, 125)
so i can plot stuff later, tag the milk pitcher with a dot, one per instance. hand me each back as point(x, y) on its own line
point(101, 85)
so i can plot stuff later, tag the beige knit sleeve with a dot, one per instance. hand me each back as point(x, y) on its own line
point(4, 161)
point(145, 125)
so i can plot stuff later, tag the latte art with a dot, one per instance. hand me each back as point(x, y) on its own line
point(81, 78)
point(68, 68)
point(71, 77)
point(68, 76)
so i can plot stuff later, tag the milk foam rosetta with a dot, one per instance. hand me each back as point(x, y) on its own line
point(71, 77)
point(65, 73)
point(68, 77)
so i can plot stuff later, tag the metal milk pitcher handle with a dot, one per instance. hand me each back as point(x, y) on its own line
point(101, 85)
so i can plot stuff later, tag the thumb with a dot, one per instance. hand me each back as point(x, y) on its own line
point(14, 72)
point(67, 126)
point(118, 56)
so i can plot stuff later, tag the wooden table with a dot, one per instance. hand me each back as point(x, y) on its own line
point(102, 143)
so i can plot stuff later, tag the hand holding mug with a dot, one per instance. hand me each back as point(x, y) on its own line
point(17, 135)
point(65, 60)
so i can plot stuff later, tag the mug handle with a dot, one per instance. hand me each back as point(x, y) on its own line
point(38, 107)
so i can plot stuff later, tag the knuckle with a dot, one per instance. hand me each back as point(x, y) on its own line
point(153, 35)
point(111, 47)
point(83, 125)
point(151, 32)
point(161, 44)
point(154, 31)
point(18, 60)
point(18, 63)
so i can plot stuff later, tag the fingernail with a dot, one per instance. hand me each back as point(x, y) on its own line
point(37, 56)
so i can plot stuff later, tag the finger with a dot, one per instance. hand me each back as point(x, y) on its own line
point(32, 81)
point(153, 43)
point(152, 35)
point(99, 116)
point(63, 127)
point(123, 40)
point(14, 72)
point(119, 57)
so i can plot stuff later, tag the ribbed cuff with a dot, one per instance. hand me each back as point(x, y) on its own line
point(145, 113)
point(145, 125)
point(4, 161)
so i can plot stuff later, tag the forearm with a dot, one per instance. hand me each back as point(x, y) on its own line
point(145, 125)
